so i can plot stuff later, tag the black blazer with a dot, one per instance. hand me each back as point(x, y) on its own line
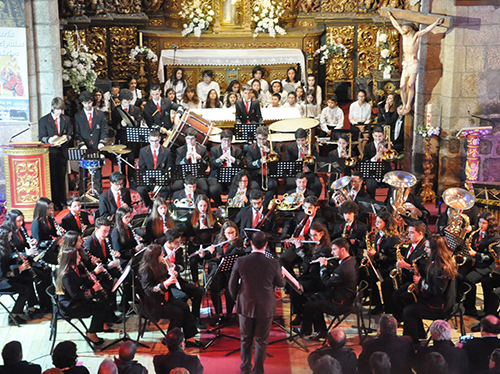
point(341, 284)
point(478, 352)
point(357, 232)
point(385, 258)
point(253, 159)
point(43, 231)
point(164, 161)
point(157, 120)
point(387, 118)
point(126, 248)
point(244, 219)
point(116, 122)
point(399, 143)
point(69, 221)
point(181, 194)
point(200, 149)
point(345, 356)
point(94, 247)
point(216, 163)
point(178, 358)
point(91, 137)
point(107, 203)
point(418, 255)
point(254, 115)
point(77, 292)
point(455, 357)
point(21, 367)
point(47, 129)
point(292, 152)
point(259, 276)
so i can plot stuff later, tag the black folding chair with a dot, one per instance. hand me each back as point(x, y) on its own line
point(11, 294)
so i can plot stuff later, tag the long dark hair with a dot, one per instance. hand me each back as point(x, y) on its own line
point(222, 237)
point(5, 246)
point(69, 240)
point(122, 228)
point(67, 263)
point(175, 95)
point(101, 103)
point(195, 218)
point(325, 240)
point(231, 84)
point(185, 98)
point(41, 206)
point(208, 103)
point(156, 218)
point(236, 180)
point(10, 219)
point(390, 223)
point(441, 256)
point(493, 227)
point(173, 78)
point(150, 260)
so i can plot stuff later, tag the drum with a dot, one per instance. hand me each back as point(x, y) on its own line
point(90, 164)
point(204, 128)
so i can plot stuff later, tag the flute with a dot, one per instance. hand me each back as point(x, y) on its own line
point(291, 240)
point(317, 260)
point(201, 250)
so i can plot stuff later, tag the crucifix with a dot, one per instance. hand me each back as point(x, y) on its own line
point(411, 44)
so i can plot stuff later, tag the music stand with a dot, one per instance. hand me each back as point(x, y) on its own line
point(454, 242)
point(138, 134)
point(245, 131)
point(227, 174)
point(155, 177)
point(284, 169)
point(120, 281)
point(181, 171)
point(225, 265)
point(371, 169)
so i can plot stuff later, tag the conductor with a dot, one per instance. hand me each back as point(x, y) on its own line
point(255, 301)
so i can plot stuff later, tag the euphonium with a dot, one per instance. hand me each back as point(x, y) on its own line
point(458, 200)
point(342, 186)
point(350, 161)
point(291, 202)
point(184, 203)
point(396, 273)
point(401, 181)
point(389, 154)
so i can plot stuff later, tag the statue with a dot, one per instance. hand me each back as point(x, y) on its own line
point(411, 44)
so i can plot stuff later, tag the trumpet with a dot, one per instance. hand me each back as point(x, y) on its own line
point(389, 154)
point(350, 161)
point(309, 160)
point(317, 260)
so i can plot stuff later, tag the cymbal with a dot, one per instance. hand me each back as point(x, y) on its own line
point(216, 130)
point(112, 148)
point(123, 151)
point(292, 124)
point(216, 139)
point(284, 137)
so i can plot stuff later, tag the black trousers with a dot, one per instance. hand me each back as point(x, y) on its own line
point(474, 277)
point(219, 283)
point(98, 310)
point(413, 315)
point(314, 309)
point(254, 329)
point(58, 168)
point(13, 285)
point(195, 294)
point(177, 311)
point(165, 192)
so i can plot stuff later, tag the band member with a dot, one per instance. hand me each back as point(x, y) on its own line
point(45, 229)
point(352, 230)
point(116, 197)
point(398, 131)
point(436, 291)
point(252, 216)
point(252, 283)
point(340, 154)
point(248, 108)
point(340, 290)
point(157, 111)
point(484, 260)
point(239, 193)
point(300, 182)
point(373, 151)
point(221, 156)
point(414, 206)
point(52, 127)
point(257, 164)
point(158, 222)
point(154, 157)
point(297, 152)
point(14, 221)
point(189, 191)
point(91, 132)
point(76, 219)
point(78, 296)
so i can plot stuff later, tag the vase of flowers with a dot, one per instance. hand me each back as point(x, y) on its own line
point(428, 131)
point(78, 66)
point(329, 50)
point(385, 55)
point(199, 17)
point(143, 51)
point(266, 18)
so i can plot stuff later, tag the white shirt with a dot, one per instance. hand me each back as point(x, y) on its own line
point(298, 106)
point(179, 88)
point(137, 95)
point(331, 117)
point(283, 95)
point(397, 128)
point(202, 89)
point(191, 105)
point(289, 86)
point(360, 113)
point(312, 111)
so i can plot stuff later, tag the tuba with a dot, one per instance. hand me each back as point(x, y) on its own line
point(402, 182)
point(458, 200)
point(342, 186)
point(389, 154)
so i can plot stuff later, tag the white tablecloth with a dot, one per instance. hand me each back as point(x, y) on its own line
point(231, 57)
point(228, 114)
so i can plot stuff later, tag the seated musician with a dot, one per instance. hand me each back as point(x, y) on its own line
point(174, 253)
point(154, 157)
point(123, 116)
point(340, 154)
point(76, 219)
point(332, 117)
point(310, 276)
point(387, 110)
point(373, 151)
point(14, 221)
point(206, 85)
point(45, 229)
point(239, 192)
point(79, 296)
point(352, 230)
point(297, 152)
point(257, 164)
point(200, 223)
point(253, 216)
point(248, 108)
point(188, 192)
point(436, 290)
point(123, 237)
point(340, 290)
point(157, 111)
point(158, 222)
point(483, 260)
point(292, 103)
point(215, 253)
point(156, 284)
point(116, 197)
point(414, 206)
point(414, 254)
point(221, 156)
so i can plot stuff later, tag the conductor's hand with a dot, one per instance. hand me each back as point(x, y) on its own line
point(97, 287)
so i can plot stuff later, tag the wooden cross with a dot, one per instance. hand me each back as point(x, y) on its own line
point(426, 18)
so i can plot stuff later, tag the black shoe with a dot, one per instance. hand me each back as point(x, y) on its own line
point(193, 344)
point(19, 320)
point(200, 325)
point(476, 328)
point(35, 314)
point(471, 312)
point(99, 341)
point(320, 336)
point(298, 330)
point(297, 321)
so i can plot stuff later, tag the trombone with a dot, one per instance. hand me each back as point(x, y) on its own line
point(350, 161)
point(389, 154)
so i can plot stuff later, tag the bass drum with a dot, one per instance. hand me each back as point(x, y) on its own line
point(204, 128)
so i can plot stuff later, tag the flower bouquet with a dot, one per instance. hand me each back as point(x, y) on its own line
point(77, 66)
point(329, 50)
point(385, 54)
point(266, 18)
point(145, 51)
point(427, 132)
point(199, 16)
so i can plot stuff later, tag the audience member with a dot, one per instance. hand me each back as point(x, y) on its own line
point(327, 365)
point(380, 363)
point(494, 363)
point(434, 363)
point(12, 354)
point(398, 348)
point(125, 360)
point(179, 371)
point(107, 367)
point(336, 348)
point(64, 357)
point(176, 357)
point(53, 371)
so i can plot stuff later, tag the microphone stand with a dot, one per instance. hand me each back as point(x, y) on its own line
point(19, 133)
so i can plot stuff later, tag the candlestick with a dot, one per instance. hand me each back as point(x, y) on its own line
point(140, 39)
point(428, 122)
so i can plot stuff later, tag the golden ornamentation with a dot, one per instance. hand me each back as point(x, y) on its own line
point(290, 14)
point(309, 6)
point(122, 40)
point(153, 66)
point(156, 22)
point(339, 6)
point(305, 23)
point(389, 87)
point(216, 5)
point(340, 68)
point(368, 52)
point(152, 5)
point(97, 45)
point(247, 15)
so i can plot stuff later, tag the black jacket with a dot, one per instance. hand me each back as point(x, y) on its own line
point(107, 203)
point(164, 363)
point(157, 120)
point(69, 223)
point(254, 115)
point(456, 358)
point(341, 283)
point(91, 137)
point(216, 163)
point(164, 161)
point(47, 129)
point(478, 352)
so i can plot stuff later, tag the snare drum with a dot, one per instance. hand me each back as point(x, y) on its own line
point(90, 164)
point(190, 119)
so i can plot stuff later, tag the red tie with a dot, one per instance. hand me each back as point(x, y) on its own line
point(158, 107)
point(256, 218)
point(77, 217)
point(90, 120)
point(412, 248)
point(118, 200)
point(225, 151)
point(481, 236)
point(57, 125)
point(225, 248)
point(126, 110)
point(305, 231)
point(155, 159)
point(247, 104)
point(104, 249)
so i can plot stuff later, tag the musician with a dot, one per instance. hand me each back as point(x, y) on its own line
point(189, 192)
point(484, 260)
point(91, 132)
point(373, 151)
point(111, 97)
point(154, 157)
point(14, 220)
point(415, 253)
point(51, 128)
point(352, 230)
point(339, 154)
point(158, 222)
point(116, 197)
point(44, 228)
point(76, 219)
point(248, 108)
point(436, 290)
point(257, 164)
point(296, 152)
point(332, 117)
point(251, 216)
point(157, 111)
point(357, 193)
point(240, 190)
point(414, 206)
point(340, 290)
point(221, 156)
point(78, 296)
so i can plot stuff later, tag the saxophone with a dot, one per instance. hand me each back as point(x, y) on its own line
point(365, 262)
point(495, 258)
point(344, 232)
point(397, 273)
point(412, 288)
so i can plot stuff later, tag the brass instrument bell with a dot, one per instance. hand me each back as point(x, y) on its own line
point(389, 154)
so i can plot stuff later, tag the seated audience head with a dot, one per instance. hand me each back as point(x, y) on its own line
point(292, 98)
point(336, 338)
point(127, 351)
point(326, 365)
point(12, 353)
point(490, 325)
point(440, 330)
point(276, 99)
point(190, 94)
point(388, 325)
point(495, 360)
point(276, 87)
point(64, 355)
point(107, 367)
point(175, 339)
point(380, 363)
point(434, 363)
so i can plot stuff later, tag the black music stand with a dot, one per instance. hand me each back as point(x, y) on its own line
point(284, 169)
point(245, 131)
point(138, 134)
point(225, 265)
point(155, 177)
point(181, 171)
point(227, 174)
point(371, 169)
point(454, 242)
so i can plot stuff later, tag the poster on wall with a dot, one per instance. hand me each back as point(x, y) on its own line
point(14, 93)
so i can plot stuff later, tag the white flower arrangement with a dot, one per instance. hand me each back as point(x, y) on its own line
point(266, 18)
point(145, 51)
point(329, 50)
point(199, 16)
point(385, 53)
point(427, 132)
point(78, 66)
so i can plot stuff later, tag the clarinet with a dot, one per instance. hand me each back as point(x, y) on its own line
point(163, 216)
point(28, 239)
point(22, 258)
point(60, 231)
point(96, 261)
point(171, 268)
point(136, 237)
point(93, 278)
point(111, 251)
point(82, 226)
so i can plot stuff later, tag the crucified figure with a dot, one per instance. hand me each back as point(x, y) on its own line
point(411, 44)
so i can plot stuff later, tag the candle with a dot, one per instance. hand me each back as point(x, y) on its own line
point(378, 35)
point(428, 121)
point(140, 39)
